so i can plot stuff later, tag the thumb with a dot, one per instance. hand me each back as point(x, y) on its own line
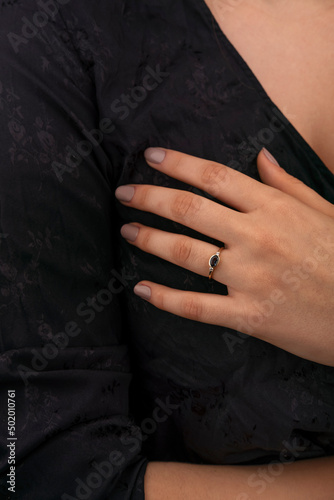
point(274, 175)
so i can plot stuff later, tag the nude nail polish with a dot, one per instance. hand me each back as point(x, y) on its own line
point(129, 232)
point(142, 291)
point(270, 157)
point(125, 193)
point(155, 155)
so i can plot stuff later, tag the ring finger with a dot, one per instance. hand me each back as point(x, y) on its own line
point(186, 252)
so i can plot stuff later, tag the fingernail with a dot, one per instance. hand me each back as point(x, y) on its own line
point(129, 232)
point(142, 291)
point(125, 193)
point(270, 157)
point(155, 155)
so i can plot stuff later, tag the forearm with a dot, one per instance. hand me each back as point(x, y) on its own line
point(302, 480)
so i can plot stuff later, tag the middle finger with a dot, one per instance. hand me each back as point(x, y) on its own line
point(191, 210)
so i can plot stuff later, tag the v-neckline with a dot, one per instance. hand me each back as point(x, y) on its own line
point(210, 18)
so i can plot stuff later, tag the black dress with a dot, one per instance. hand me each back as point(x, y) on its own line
point(85, 87)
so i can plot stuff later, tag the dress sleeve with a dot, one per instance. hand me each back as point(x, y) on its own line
point(64, 361)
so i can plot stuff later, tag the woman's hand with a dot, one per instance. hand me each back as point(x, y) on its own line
point(278, 260)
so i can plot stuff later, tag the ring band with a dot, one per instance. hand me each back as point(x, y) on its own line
point(213, 262)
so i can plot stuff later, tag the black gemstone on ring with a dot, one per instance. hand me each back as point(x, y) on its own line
point(214, 260)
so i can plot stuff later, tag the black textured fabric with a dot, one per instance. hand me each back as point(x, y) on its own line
point(84, 88)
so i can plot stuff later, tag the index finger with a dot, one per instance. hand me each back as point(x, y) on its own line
point(222, 182)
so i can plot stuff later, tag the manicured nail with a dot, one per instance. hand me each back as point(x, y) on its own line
point(125, 193)
point(270, 157)
point(129, 232)
point(155, 155)
point(142, 291)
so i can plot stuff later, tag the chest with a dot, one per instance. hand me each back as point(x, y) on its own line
point(294, 62)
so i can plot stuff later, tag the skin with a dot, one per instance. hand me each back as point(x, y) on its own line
point(303, 480)
point(291, 57)
point(289, 45)
point(278, 260)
